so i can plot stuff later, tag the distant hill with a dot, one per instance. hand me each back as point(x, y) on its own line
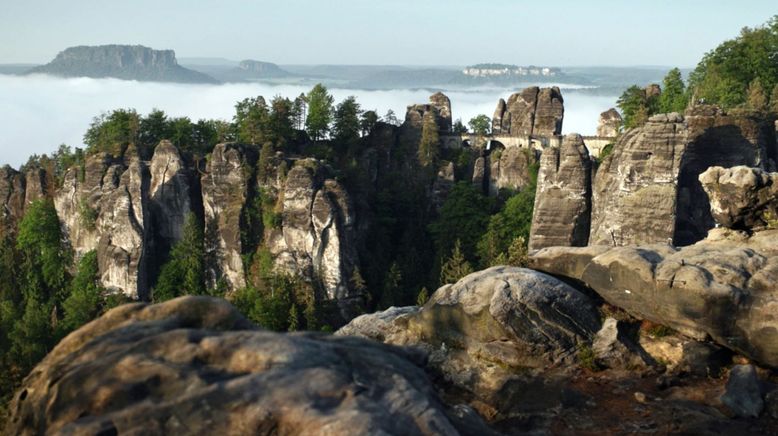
point(129, 62)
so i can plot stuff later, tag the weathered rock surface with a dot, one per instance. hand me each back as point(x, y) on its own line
point(647, 191)
point(442, 184)
point(742, 197)
point(123, 228)
point(561, 216)
point(490, 330)
point(226, 190)
point(79, 200)
point(722, 287)
point(533, 111)
point(195, 366)
point(35, 185)
point(509, 169)
point(609, 123)
point(169, 193)
point(440, 109)
point(443, 104)
point(682, 355)
point(614, 348)
point(317, 237)
point(549, 112)
point(744, 393)
point(11, 199)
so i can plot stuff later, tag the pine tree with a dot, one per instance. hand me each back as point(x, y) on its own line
point(184, 273)
point(346, 123)
point(673, 97)
point(423, 297)
point(517, 252)
point(317, 124)
point(85, 300)
point(392, 283)
point(429, 146)
point(456, 266)
point(757, 98)
point(357, 282)
point(294, 319)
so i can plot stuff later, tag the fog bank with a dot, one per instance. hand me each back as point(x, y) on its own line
point(41, 112)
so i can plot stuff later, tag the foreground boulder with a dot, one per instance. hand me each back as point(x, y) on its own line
point(490, 333)
point(722, 287)
point(195, 366)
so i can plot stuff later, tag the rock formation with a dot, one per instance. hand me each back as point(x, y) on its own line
point(609, 124)
point(11, 199)
point(647, 190)
point(489, 327)
point(317, 235)
point(563, 196)
point(128, 62)
point(442, 185)
point(722, 287)
point(531, 112)
point(169, 193)
point(742, 197)
point(508, 169)
point(443, 104)
point(123, 225)
point(194, 365)
point(35, 185)
point(226, 185)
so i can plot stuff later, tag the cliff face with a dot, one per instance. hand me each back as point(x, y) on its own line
point(225, 195)
point(648, 190)
point(563, 196)
point(11, 199)
point(317, 238)
point(122, 62)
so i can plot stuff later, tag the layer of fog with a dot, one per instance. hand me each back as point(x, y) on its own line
point(40, 112)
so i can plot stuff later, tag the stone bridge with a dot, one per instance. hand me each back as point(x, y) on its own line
point(594, 144)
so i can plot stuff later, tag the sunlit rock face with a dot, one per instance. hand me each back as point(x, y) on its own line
point(647, 190)
point(609, 123)
point(531, 112)
point(194, 365)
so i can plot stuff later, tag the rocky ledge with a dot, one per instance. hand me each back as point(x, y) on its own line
point(194, 365)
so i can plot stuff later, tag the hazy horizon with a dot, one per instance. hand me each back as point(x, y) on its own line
point(42, 112)
point(400, 32)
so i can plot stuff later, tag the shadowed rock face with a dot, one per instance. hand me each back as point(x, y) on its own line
point(169, 192)
point(533, 111)
point(11, 199)
point(509, 169)
point(193, 365)
point(225, 194)
point(722, 287)
point(563, 196)
point(648, 190)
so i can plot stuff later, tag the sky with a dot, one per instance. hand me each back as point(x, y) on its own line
point(382, 32)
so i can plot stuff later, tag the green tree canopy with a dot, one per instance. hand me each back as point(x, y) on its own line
point(756, 97)
point(317, 124)
point(480, 125)
point(725, 73)
point(463, 217)
point(85, 301)
point(456, 266)
point(113, 132)
point(184, 272)
point(634, 106)
point(45, 257)
point(346, 123)
point(673, 97)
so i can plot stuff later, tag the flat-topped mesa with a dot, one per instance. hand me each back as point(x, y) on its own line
point(129, 62)
point(563, 196)
point(609, 124)
point(532, 112)
point(647, 191)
